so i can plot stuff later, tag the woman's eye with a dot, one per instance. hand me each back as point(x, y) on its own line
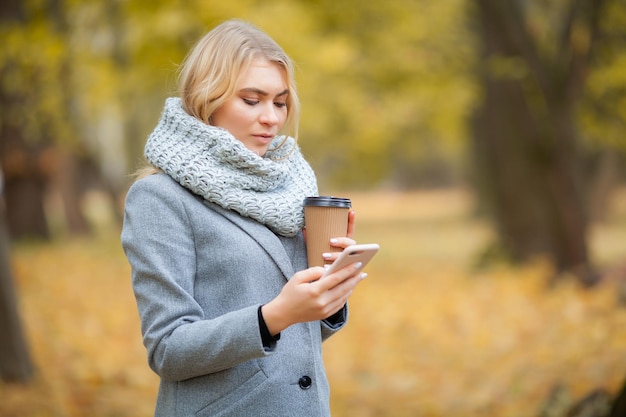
point(280, 105)
point(250, 102)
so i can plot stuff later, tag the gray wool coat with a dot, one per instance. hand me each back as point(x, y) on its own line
point(199, 274)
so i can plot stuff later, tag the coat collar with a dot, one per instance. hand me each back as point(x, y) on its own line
point(261, 234)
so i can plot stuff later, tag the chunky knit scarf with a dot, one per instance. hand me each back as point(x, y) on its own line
point(212, 163)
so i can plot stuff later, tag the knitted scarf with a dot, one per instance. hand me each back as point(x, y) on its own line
point(212, 163)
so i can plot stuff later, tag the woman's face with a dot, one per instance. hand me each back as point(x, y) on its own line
point(258, 110)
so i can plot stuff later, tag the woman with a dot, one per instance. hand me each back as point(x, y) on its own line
point(232, 318)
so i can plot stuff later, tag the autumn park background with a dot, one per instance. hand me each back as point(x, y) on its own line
point(481, 142)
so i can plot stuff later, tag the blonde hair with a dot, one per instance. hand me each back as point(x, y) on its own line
point(209, 74)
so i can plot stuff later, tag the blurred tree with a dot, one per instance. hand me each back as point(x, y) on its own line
point(386, 88)
point(15, 362)
point(38, 137)
point(601, 115)
point(24, 175)
point(536, 57)
point(75, 82)
point(618, 409)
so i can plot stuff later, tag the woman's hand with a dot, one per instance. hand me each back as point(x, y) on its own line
point(306, 297)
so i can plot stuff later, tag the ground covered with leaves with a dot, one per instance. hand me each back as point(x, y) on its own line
point(430, 334)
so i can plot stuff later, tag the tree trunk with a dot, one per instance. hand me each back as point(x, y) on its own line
point(24, 180)
point(36, 163)
point(15, 363)
point(25, 185)
point(528, 167)
point(606, 179)
point(618, 409)
point(67, 181)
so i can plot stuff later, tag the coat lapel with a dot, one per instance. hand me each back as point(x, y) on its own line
point(261, 234)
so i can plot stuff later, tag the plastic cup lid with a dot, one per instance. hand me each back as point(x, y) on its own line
point(327, 201)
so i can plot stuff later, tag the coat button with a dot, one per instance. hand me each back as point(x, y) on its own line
point(305, 382)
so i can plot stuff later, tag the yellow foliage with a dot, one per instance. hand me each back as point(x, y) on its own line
point(427, 336)
point(78, 309)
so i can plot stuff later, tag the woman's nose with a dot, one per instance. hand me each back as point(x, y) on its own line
point(269, 115)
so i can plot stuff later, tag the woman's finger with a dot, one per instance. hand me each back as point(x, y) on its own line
point(351, 224)
point(342, 242)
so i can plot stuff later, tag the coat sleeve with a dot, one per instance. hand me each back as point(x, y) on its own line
point(181, 342)
point(334, 323)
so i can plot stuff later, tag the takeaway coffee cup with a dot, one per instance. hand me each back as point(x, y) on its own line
point(325, 217)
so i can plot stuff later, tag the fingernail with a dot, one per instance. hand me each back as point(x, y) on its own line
point(325, 255)
point(333, 240)
point(364, 275)
point(358, 265)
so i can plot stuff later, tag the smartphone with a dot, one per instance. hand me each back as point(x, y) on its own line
point(355, 253)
